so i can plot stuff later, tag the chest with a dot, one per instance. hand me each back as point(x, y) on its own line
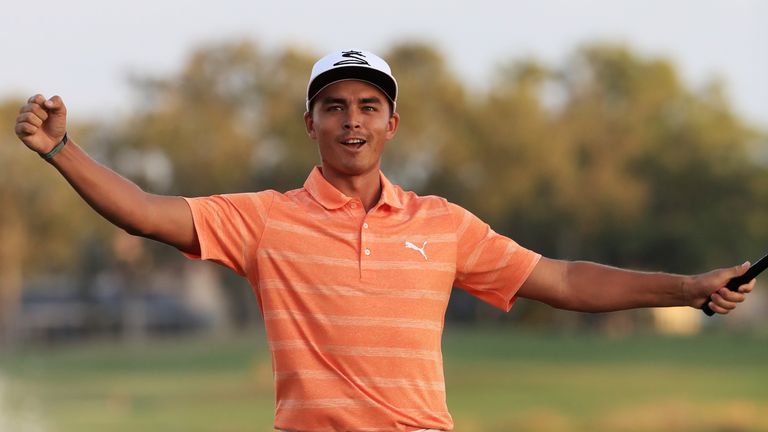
point(357, 264)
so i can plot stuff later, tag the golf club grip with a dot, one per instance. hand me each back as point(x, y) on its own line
point(738, 281)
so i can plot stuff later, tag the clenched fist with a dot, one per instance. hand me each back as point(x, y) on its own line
point(42, 123)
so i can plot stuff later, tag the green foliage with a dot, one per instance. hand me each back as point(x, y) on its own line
point(41, 219)
point(608, 157)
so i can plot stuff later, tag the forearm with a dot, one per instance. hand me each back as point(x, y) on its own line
point(590, 287)
point(594, 287)
point(42, 124)
point(114, 197)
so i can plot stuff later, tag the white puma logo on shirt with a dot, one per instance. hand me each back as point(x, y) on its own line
point(409, 245)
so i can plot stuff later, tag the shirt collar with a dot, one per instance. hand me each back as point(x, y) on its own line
point(331, 198)
point(390, 194)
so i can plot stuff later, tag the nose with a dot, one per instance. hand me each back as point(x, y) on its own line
point(352, 120)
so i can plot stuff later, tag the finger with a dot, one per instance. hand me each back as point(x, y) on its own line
point(714, 307)
point(721, 302)
point(34, 107)
point(30, 118)
point(32, 114)
point(747, 288)
point(38, 99)
point(731, 296)
point(25, 129)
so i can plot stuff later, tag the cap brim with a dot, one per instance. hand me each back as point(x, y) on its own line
point(379, 79)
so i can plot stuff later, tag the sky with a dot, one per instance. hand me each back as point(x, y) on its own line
point(86, 50)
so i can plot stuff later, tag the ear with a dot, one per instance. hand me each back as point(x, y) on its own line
point(392, 123)
point(309, 123)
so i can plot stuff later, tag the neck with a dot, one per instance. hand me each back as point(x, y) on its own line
point(366, 187)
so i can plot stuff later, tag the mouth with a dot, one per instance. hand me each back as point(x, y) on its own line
point(353, 143)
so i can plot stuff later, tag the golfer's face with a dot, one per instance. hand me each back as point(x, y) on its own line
point(351, 123)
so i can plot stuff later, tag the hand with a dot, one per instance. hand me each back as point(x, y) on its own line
point(710, 288)
point(42, 123)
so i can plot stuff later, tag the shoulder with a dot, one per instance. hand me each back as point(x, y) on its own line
point(233, 205)
point(431, 206)
point(435, 203)
point(237, 199)
point(412, 200)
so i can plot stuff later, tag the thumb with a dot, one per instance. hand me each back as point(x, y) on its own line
point(738, 270)
point(55, 106)
point(56, 124)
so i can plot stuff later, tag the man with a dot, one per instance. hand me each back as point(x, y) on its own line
point(352, 273)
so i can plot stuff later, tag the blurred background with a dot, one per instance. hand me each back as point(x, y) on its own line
point(631, 133)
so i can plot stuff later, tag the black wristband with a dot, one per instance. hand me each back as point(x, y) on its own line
point(56, 149)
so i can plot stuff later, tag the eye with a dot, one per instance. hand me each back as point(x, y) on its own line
point(334, 108)
point(369, 108)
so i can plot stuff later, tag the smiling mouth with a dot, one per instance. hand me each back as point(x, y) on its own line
point(354, 143)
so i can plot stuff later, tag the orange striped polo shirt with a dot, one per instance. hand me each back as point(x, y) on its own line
point(353, 301)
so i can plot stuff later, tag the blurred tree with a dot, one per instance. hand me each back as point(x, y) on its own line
point(41, 220)
point(585, 161)
point(229, 121)
point(660, 170)
point(200, 121)
point(581, 162)
point(608, 157)
point(433, 130)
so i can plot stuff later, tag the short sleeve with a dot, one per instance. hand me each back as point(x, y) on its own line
point(229, 227)
point(489, 265)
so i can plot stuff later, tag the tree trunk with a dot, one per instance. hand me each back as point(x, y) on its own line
point(12, 242)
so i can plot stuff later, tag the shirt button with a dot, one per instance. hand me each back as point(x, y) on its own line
point(365, 225)
point(353, 205)
point(367, 252)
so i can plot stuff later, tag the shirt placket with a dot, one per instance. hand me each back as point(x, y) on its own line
point(371, 224)
point(366, 246)
point(364, 250)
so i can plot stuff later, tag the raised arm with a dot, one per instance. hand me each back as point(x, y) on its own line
point(590, 287)
point(42, 124)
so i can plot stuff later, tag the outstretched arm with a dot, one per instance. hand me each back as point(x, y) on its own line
point(42, 123)
point(590, 287)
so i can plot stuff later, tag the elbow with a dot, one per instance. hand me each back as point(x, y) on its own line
point(553, 283)
point(571, 303)
point(577, 304)
point(137, 225)
point(566, 297)
point(136, 231)
point(576, 292)
point(139, 221)
point(143, 228)
point(562, 295)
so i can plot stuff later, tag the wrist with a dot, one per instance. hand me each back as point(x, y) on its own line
point(56, 149)
point(686, 288)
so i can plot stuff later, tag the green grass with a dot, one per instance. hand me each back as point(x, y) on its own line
point(498, 380)
point(181, 385)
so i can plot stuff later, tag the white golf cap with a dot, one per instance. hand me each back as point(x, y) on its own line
point(352, 65)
